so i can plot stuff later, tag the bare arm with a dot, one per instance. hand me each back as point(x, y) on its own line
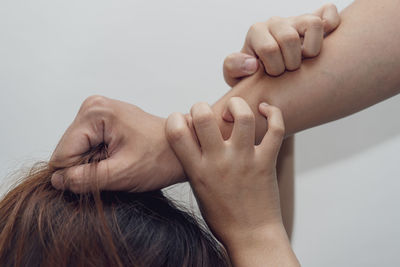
point(235, 182)
point(359, 66)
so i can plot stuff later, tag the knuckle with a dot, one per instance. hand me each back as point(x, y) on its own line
point(234, 100)
point(244, 114)
point(246, 118)
point(203, 117)
point(268, 49)
point(255, 27)
point(176, 133)
point(289, 37)
point(314, 22)
point(96, 107)
point(329, 6)
point(95, 101)
point(201, 113)
point(274, 20)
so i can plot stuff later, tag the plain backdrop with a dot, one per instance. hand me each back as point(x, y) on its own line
point(166, 55)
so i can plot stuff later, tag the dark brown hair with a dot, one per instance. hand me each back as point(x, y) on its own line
point(42, 226)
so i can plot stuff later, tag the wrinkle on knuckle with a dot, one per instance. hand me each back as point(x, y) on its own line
point(96, 107)
point(289, 38)
point(268, 49)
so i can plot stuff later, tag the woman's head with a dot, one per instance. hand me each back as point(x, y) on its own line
point(41, 226)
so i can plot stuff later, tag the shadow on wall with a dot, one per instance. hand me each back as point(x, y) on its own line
point(342, 139)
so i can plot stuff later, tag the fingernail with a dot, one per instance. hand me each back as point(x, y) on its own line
point(250, 65)
point(227, 116)
point(57, 180)
point(263, 104)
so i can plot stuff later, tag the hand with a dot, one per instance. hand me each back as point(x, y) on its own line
point(279, 45)
point(139, 156)
point(234, 181)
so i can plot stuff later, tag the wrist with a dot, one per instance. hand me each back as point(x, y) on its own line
point(172, 168)
point(254, 238)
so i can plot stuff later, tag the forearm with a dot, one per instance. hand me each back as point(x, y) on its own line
point(265, 247)
point(357, 68)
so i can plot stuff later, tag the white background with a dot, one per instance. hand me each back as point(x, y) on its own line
point(166, 55)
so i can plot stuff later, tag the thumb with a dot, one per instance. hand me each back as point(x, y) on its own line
point(84, 178)
point(239, 65)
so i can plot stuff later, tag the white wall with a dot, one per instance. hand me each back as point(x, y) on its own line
point(166, 55)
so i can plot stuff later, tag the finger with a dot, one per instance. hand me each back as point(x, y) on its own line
point(87, 177)
point(311, 27)
point(312, 44)
point(272, 140)
point(260, 41)
point(243, 133)
point(206, 127)
point(190, 125)
point(77, 140)
point(330, 17)
point(290, 44)
point(182, 141)
point(238, 65)
point(86, 131)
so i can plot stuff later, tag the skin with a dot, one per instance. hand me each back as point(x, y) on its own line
point(285, 173)
point(280, 43)
point(235, 182)
point(357, 68)
point(109, 121)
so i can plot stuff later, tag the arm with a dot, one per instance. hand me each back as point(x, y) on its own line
point(285, 174)
point(358, 67)
point(235, 182)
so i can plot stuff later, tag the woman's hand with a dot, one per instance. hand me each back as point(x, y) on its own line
point(139, 157)
point(234, 181)
point(280, 43)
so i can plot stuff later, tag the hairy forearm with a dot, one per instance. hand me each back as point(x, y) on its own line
point(358, 67)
